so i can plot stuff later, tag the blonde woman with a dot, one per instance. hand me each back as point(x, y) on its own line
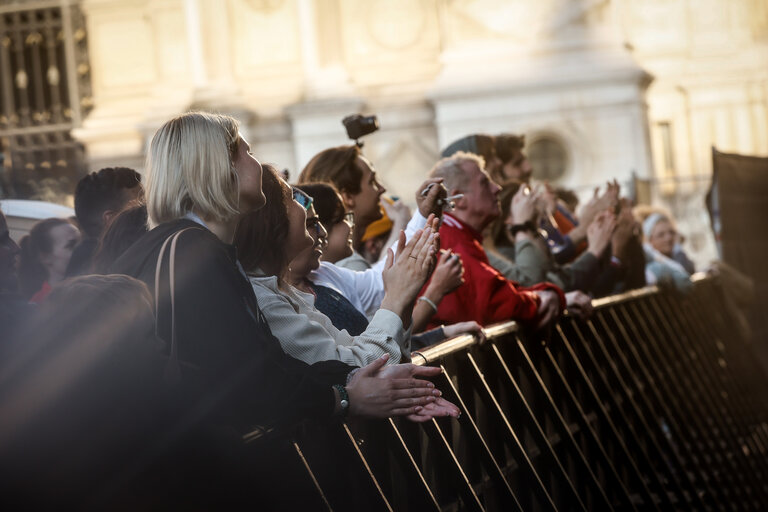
point(201, 177)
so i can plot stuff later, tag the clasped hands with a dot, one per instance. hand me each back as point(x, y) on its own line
point(379, 391)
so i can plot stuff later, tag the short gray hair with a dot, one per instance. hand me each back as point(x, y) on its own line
point(450, 169)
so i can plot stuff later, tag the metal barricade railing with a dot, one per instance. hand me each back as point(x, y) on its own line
point(652, 404)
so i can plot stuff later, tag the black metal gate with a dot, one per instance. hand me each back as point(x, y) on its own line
point(44, 94)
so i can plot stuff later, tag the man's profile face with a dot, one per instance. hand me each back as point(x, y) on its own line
point(518, 168)
point(482, 193)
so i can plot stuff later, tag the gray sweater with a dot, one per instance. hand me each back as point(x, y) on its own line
point(526, 264)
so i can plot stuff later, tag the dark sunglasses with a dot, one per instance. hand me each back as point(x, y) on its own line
point(302, 198)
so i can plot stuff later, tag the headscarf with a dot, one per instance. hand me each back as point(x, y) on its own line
point(650, 222)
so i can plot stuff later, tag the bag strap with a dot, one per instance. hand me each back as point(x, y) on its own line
point(172, 370)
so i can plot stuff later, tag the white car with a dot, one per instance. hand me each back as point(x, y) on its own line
point(22, 214)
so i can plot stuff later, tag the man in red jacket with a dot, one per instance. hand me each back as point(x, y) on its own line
point(487, 296)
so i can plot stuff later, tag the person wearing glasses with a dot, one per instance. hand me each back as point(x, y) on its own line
point(303, 331)
point(355, 179)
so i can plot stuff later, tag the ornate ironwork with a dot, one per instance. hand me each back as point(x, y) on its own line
point(45, 90)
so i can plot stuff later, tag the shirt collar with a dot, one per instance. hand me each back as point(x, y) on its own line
point(450, 220)
point(195, 218)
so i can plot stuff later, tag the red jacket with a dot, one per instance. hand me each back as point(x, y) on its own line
point(486, 297)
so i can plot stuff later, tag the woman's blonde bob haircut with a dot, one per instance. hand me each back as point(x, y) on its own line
point(190, 167)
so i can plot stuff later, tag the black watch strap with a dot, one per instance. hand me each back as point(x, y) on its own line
point(344, 398)
point(528, 226)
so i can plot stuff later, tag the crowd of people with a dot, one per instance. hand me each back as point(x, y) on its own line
point(209, 297)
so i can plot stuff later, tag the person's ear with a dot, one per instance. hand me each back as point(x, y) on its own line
point(349, 200)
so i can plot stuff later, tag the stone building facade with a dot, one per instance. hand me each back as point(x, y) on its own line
point(601, 88)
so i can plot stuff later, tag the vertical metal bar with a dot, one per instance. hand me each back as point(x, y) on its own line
point(714, 351)
point(23, 110)
point(586, 424)
point(717, 446)
point(611, 379)
point(560, 424)
point(71, 62)
point(35, 66)
point(753, 471)
point(467, 492)
point(6, 75)
point(53, 85)
point(647, 416)
point(519, 452)
point(408, 462)
point(478, 445)
point(312, 476)
point(364, 462)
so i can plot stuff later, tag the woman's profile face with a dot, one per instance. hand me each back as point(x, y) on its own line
point(309, 259)
point(339, 241)
point(248, 171)
point(298, 236)
point(366, 202)
point(663, 237)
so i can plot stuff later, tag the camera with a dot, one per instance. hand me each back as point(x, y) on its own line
point(358, 126)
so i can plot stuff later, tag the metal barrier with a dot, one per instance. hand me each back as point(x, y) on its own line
point(652, 404)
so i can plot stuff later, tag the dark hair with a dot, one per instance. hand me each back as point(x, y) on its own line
point(32, 273)
point(261, 236)
point(498, 226)
point(99, 192)
point(508, 146)
point(328, 204)
point(124, 229)
point(335, 165)
point(569, 197)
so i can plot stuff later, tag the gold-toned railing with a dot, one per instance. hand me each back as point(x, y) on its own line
point(652, 404)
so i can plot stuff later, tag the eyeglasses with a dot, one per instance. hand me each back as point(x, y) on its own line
point(313, 223)
point(302, 198)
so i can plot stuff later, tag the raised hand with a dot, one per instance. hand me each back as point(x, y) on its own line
point(448, 275)
point(405, 273)
point(523, 206)
point(600, 231)
point(429, 203)
point(626, 226)
point(397, 212)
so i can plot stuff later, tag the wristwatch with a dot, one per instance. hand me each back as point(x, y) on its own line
point(528, 226)
point(344, 403)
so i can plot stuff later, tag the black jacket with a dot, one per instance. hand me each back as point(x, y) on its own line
point(239, 368)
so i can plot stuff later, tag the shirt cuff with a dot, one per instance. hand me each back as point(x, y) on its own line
point(389, 323)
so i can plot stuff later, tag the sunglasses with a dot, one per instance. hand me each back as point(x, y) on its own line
point(302, 198)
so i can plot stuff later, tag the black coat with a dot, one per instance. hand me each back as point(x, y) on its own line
point(240, 370)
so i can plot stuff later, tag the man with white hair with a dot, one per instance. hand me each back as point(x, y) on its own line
point(486, 297)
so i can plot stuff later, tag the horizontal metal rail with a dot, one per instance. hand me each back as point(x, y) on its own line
point(654, 403)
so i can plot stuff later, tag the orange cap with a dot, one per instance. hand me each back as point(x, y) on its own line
point(381, 226)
